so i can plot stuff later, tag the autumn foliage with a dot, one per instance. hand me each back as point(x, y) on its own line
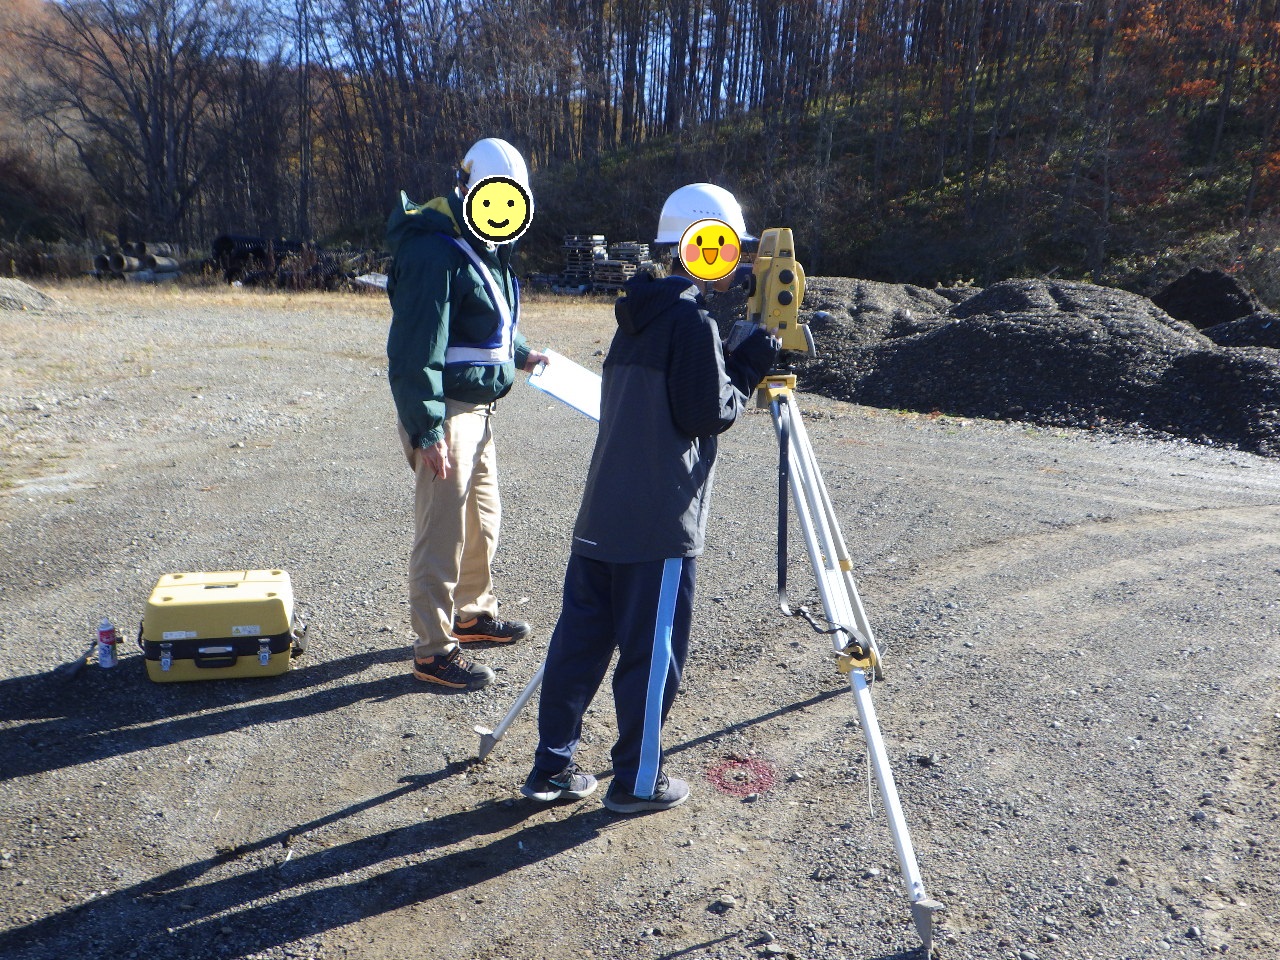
point(916, 140)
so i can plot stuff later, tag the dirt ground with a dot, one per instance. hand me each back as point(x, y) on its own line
point(1080, 699)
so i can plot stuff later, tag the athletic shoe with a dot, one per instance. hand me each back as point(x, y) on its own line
point(490, 629)
point(669, 793)
point(453, 670)
point(568, 784)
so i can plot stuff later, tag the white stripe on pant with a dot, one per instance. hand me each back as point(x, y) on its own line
point(659, 665)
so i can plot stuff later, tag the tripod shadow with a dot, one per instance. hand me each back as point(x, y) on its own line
point(319, 891)
point(753, 721)
point(98, 714)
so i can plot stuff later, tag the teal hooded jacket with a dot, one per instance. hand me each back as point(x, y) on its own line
point(438, 299)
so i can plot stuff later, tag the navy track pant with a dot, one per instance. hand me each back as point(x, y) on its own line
point(644, 611)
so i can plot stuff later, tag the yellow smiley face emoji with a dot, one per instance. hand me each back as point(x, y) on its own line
point(710, 249)
point(497, 209)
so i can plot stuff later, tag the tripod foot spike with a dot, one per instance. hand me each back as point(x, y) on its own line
point(922, 912)
point(487, 740)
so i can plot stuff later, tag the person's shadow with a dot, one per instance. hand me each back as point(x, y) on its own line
point(55, 720)
point(196, 910)
point(183, 912)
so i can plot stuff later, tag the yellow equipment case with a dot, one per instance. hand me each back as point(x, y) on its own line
point(206, 626)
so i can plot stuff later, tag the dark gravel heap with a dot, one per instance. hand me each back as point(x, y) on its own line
point(1205, 298)
point(1046, 352)
point(1255, 330)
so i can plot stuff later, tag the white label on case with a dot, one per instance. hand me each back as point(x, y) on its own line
point(179, 635)
point(252, 630)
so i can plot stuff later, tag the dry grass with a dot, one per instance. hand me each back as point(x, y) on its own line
point(40, 348)
point(574, 326)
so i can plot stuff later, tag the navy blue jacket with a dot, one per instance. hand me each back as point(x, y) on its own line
point(668, 391)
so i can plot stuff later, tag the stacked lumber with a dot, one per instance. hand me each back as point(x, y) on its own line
point(581, 251)
point(608, 276)
point(629, 251)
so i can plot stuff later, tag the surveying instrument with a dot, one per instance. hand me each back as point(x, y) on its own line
point(775, 293)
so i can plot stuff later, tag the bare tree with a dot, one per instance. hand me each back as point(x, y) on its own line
point(252, 180)
point(125, 81)
point(303, 23)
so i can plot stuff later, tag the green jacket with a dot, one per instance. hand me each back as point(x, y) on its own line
point(438, 298)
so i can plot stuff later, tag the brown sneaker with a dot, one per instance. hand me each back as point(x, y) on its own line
point(453, 670)
point(489, 629)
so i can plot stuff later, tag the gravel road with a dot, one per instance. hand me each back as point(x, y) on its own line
point(1080, 700)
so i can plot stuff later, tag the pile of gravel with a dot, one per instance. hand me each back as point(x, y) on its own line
point(1256, 330)
point(1051, 353)
point(16, 295)
point(1205, 298)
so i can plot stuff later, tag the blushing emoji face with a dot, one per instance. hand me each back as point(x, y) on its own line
point(710, 249)
point(497, 209)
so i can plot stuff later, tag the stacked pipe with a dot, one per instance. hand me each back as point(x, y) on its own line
point(138, 263)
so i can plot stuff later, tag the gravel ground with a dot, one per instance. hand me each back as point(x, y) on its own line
point(16, 295)
point(1080, 698)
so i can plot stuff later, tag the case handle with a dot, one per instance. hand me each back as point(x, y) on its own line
point(214, 658)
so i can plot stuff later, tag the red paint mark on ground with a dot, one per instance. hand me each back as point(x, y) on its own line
point(741, 776)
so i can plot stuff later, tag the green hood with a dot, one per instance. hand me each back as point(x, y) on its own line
point(410, 219)
point(441, 215)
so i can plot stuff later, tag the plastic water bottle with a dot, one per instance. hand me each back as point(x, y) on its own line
point(107, 640)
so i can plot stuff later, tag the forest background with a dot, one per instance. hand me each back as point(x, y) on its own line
point(918, 141)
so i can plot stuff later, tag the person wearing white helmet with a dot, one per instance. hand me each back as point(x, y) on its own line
point(491, 157)
point(668, 391)
point(699, 201)
point(452, 351)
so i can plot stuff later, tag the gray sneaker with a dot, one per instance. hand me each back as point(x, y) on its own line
point(670, 792)
point(487, 629)
point(568, 784)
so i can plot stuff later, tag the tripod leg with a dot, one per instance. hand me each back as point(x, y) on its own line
point(922, 906)
point(489, 738)
point(827, 553)
point(843, 607)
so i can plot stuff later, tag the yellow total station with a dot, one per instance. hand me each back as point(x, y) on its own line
point(777, 290)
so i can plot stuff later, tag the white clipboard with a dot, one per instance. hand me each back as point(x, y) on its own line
point(569, 383)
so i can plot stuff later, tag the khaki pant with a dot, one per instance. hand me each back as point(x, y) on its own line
point(455, 529)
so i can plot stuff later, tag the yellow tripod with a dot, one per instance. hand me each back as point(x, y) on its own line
point(776, 292)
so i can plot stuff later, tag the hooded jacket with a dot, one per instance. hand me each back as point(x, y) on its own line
point(668, 391)
point(438, 299)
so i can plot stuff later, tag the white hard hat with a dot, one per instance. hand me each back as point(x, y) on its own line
point(699, 201)
point(493, 157)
